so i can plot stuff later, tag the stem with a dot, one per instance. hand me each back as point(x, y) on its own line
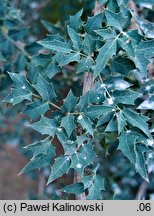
point(52, 104)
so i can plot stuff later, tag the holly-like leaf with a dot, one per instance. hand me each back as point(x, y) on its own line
point(93, 23)
point(94, 191)
point(70, 102)
point(121, 122)
point(71, 57)
point(134, 151)
point(125, 97)
point(146, 26)
point(95, 111)
point(69, 145)
point(43, 154)
point(60, 166)
point(46, 126)
point(21, 90)
point(75, 38)
point(75, 21)
point(76, 188)
point(105, 53)
point(83, 158)
point(86, 123)
point(56, 45)
point(68, 123)
point(36, 108)
point(126, 45)
point(45, 89)
point(136, 120)
point(126, 145)
point(116, 20)
point(140, 161)
point(52, 69)
point(83, 102)
point(84, 64)
point(112, 125)
point(89, 44)
point(107, 33)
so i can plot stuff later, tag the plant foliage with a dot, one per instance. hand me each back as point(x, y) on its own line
point(116, 57)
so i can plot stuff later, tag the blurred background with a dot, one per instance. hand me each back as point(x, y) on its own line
point(26, 21)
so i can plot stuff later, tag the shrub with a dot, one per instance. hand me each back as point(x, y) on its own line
point(102, 63)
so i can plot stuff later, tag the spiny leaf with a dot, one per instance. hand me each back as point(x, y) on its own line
point(146, 26)
point(70, 102)
point(22, 89)
point(43, 154)
point(45, 89)
point(107, 33)
point(95, 189)
point(125, 97)
point(88, 45)
point(46, 126)
point(84, 64)
point(55, 45)
point(126, 145)
point(83, 158)
point(86, 123)
point(95, 111)
point(121, 122)
point(36, 108)
point(60, 166)
point(148, 104)
point(76, 188)
point(105, 53)
point(68, 123)
point(75, 38)
point(136, 120)
point(71, 57)
point(93, 23)
point(68, 145)
point(83, 102)
point(75, 21)
point(140, 161)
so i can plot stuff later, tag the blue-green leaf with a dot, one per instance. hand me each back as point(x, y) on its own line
point(97, 110)
point(95, 189)
point(83, 158)
point(76, 188)
point(60, 166)
point(75, 21)
point(46, 126)
point(43, 154)
point(86, 123)
point(105, 54)
point(107, 33)
point(71, 57)
point(56, 45)
point(125, 97)
point(70, 102)
point(45, 89)
point(75, 38)
point(136, 120)
point(21, 90)
point(146, 26)
point(36, 108)
point(93, 23)
point(68, 123)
